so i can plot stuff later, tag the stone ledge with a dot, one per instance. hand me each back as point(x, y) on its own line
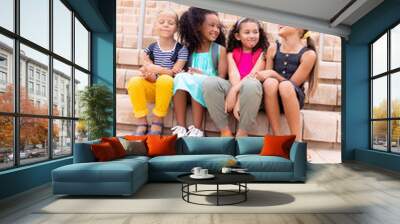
point(320, 126)
point(329, 70)
point(325, 94)
point(127, 56)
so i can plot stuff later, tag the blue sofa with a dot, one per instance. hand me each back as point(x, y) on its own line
point(125, 176)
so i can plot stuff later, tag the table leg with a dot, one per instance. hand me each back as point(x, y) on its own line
point(245, 193)
point(217, 194)
point(188, 189)
point(196, 188)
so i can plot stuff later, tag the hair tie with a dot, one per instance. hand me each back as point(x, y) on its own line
point(240, 21)
point(306, 35)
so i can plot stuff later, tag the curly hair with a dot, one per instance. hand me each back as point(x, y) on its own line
point(234, 43)
point(189, 24)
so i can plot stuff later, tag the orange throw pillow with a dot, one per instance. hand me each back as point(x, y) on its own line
point(116, 145)
point(103, 152)
point(277, 145)
point(161, 145)
point(135, 138)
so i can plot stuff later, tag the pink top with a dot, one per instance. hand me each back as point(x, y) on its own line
point(245, 61)
point(245, 64)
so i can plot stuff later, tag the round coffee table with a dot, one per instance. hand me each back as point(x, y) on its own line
point(238, 179)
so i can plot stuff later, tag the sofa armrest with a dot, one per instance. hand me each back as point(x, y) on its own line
point(298, 155)
point(83, 152)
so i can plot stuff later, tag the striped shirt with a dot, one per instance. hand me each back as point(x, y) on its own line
point(163, 58)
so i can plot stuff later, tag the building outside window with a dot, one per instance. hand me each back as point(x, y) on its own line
point(30, 72)
point(3, 72)
point(30, 87)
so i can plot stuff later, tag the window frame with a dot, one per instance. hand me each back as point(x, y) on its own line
point(388, 74)
point(16, 114)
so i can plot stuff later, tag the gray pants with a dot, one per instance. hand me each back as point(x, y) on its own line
point(216, 89)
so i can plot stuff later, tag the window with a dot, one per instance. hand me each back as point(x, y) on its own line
point(62, 29)
point(3, 72)
point(3, 78)
point(81, 81)
point(3, 61)
point(6, 74)
point(33, 148)
point(35, 22)
point(62, 74)
point(44, 77)
point(385, 94)
point(81, 45)
point(6, 142)
point(30, 72)
point(7, 14)
point(37, 74)
point(30, 88)
point(48, 76)
point(44, 91)
point(62, 137)
point(37, 89)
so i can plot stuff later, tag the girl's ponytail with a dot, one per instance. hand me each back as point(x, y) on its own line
point(313, 79)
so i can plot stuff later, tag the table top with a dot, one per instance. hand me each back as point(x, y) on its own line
point(220, 178)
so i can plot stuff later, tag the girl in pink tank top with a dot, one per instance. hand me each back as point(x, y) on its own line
point(247, 43)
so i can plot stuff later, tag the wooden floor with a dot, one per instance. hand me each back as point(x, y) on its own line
point(377, 188)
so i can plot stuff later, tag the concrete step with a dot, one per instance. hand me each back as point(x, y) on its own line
point(320, 126)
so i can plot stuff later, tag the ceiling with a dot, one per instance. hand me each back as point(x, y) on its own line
point(326, 16)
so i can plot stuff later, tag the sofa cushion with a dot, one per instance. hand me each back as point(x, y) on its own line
point(83, 152)
point(134, 147)
point(111, 171)
point(132, 159)
point(135, 138)
point(277, 145)
point(185, 163)
point(116, 145)
point(206, 145)
point(257, 163)
point(103, 152)
point(161, 145)
point(249, 145)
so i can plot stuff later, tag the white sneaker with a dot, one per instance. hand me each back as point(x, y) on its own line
point(194, 132)
point(179, 131)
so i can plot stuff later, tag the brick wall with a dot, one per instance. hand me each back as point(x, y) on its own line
point(320, 117)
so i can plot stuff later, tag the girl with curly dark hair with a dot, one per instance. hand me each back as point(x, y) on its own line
point(243, 92)
point(201, 32)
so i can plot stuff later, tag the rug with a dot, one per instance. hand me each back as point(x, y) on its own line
point(167, 198)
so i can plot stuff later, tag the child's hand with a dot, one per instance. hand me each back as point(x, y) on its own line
point(230, 100)
point(151, 77)
point(153, 68)
point(236, 111)
point(194, 70)
point(176, 71)
point(143, 70)
point(263, 75)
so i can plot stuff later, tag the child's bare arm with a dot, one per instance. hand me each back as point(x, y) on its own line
point(269, 57)
point(222, 64)
point(260, 64)
point(307, 63)
point(178, 67)
point(233, 71)
point(146, 59)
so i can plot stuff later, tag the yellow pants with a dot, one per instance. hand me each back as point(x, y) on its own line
point(142, 92)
